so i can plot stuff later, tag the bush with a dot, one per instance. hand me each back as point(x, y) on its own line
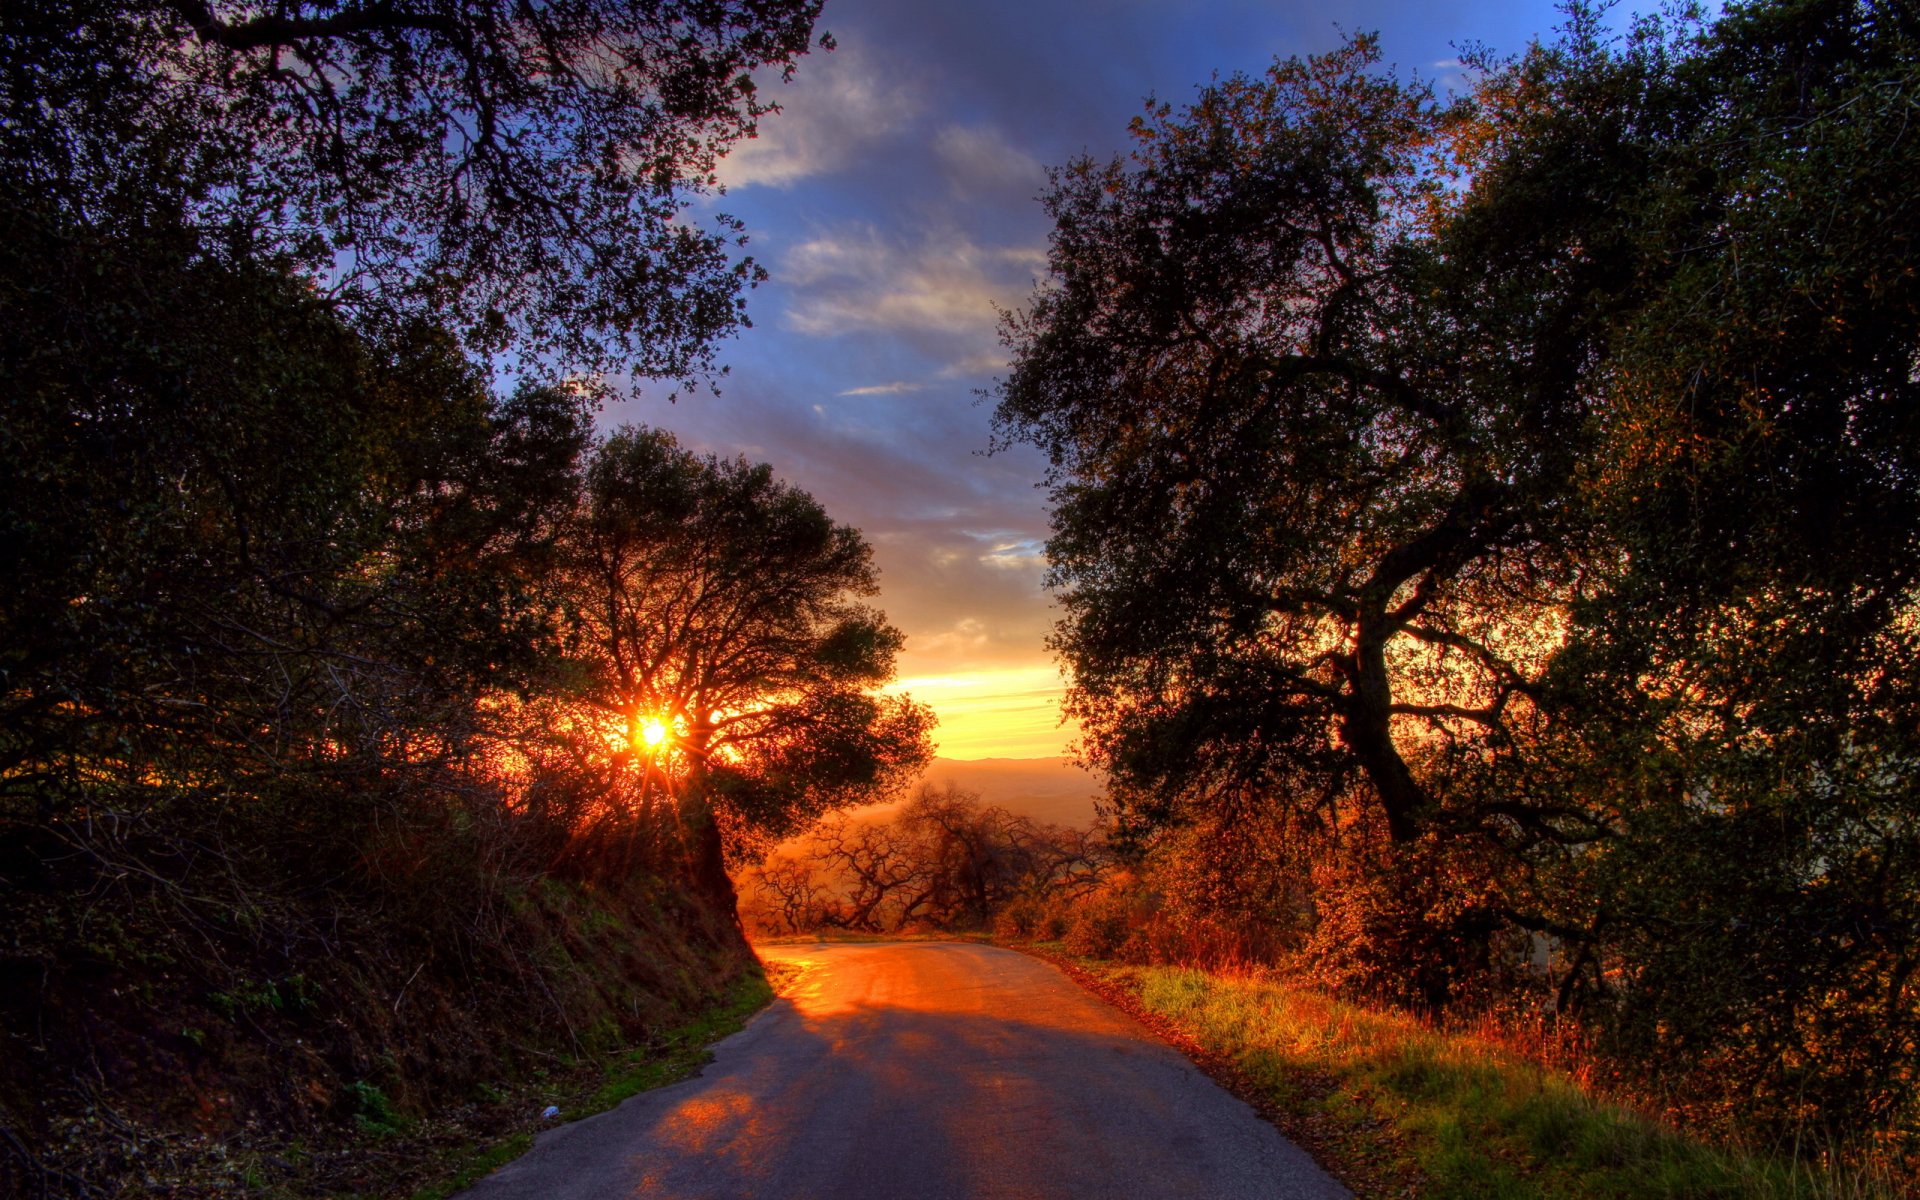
point(1018, 921)
point(1099, 928)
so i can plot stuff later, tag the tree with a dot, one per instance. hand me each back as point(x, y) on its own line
point(520, 172)
point(1519, 490)
point(942, 859)
point(1309, 466)
point(277, 553)
point(1736, 695)
point(246, 547)
point(718, 623)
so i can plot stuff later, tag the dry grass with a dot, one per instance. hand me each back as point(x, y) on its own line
point(1497, 1111)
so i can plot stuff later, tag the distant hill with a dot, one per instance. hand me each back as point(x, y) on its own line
point(1052, 790)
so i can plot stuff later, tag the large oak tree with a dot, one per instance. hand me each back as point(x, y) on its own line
point(726, 606)
point(1519, 488)
point(521, 173)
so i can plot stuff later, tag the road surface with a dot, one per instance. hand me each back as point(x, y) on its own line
point(924, 1071)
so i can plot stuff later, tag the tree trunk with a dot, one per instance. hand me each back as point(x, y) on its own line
point(1367, 729)
point(710, 864)
point(708, 861)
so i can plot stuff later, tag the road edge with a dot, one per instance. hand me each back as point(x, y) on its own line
point(681, 1053)
point(1341, 1157)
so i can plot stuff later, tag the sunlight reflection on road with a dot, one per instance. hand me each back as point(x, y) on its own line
point(924, 1070)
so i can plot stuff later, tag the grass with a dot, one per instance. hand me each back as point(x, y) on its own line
point(475, 1164)
point(681, 1052)
point(676, 1055)
point(1410, 1109)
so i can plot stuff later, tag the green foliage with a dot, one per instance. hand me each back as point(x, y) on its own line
point(1501, 511)
point(372, 1111)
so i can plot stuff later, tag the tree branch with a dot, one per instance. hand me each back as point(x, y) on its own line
point(275, 30)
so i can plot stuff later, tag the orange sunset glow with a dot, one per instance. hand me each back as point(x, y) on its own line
point(995, 712)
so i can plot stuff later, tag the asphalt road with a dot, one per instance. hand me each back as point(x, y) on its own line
point(924, 1071)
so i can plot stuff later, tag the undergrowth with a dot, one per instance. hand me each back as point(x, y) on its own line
point(1464, 1115)
point(348, 1042)
point(673, 1056)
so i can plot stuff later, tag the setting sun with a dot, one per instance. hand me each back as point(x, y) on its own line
point(653, 732)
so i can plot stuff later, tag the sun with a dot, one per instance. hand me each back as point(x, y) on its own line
point(653, 732)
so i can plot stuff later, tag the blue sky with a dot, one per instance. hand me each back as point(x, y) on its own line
point(894, 203)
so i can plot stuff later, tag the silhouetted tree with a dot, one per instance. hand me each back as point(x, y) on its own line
point(943, 859)
point(519, 172)
point(1520, 489)
point(723, 603)
point(1309, 478)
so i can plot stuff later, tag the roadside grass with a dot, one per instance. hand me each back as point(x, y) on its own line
point(681, 1052)
point(675, 1055)
point(1416, 1110)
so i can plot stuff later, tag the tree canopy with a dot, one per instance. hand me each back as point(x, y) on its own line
point(520, 173)
point(725, 605)
point(1517, 489)
point(301, 641)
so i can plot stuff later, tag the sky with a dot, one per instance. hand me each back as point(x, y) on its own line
point(894, 201)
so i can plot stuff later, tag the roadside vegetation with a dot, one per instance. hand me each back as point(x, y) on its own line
point(943, 861)
point(373, 733)
point(669, 1057)
point(1500, 1096)
point(1491, 1109)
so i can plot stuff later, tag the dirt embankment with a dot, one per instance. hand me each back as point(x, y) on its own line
point(166, 1037)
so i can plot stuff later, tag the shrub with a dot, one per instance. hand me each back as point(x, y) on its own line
point(1018, 921)
point(1053, 925)
point(1099, 928)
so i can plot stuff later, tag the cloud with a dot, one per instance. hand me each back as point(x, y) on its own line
point(968, 635)
point(881, 389)
point(857, 278)
point(998, 712)
point(847, 103)
point(979, 158)
point(1021, 554)
point(973, 366)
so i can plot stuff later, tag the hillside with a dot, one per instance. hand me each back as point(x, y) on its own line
point(1050, 790)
